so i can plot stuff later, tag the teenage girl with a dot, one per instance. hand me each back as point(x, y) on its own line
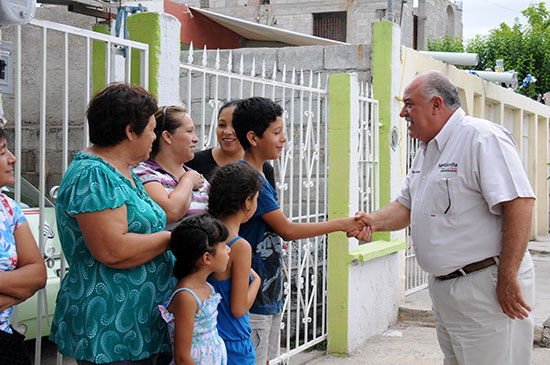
point(232, 199)
point(198, 243)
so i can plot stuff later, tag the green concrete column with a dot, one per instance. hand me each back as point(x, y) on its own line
point(145, 28)
point(99, 59)
point(338, 206)
point(382, 39)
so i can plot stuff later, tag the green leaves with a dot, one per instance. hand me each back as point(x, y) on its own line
point(524, 48)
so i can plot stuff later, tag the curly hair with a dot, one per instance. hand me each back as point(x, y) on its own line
point(231, 185)
point(112, 109)
point(254, 114)
point(192, 238)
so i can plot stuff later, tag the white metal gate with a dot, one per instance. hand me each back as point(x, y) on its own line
point(53, 84)
point(300, 174)
point(368, 148)
point(415, 278)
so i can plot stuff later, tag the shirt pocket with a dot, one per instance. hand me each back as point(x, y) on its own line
point(442, 197)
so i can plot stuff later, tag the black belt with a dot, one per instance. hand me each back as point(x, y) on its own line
point(470, 268)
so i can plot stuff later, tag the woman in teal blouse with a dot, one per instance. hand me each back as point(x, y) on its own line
point(113, 237)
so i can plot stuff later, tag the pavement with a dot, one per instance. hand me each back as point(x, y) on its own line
point(413, 339)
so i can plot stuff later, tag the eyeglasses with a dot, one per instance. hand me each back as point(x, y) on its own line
point(448, 196)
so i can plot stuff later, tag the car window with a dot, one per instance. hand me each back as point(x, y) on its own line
point(29, 195)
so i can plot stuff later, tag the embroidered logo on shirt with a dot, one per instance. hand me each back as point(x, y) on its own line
point(448, 167)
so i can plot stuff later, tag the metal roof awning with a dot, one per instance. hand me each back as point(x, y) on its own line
point(260, 32)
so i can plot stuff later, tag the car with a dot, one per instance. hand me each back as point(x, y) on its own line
point(24, 319)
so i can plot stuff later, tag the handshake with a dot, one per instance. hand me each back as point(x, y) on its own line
point(362, 227)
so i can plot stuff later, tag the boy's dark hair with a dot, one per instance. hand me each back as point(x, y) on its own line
point(254, 114)
point(169, 118)
point(192, 238)
point(231, 185)
point(114, 108)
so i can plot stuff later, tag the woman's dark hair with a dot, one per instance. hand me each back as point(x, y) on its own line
point(192, 238)
point(231, 185)
point(168, 119)
point(114, 108)
point(227, 104)
point(2, 133)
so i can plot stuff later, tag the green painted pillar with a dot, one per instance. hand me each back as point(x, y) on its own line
point(99, 50)
point(338, 206)
point(145, 28)
point(382, 82)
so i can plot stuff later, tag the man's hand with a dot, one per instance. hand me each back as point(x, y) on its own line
point(365, 234)
point(510, 298)
point(516, 225)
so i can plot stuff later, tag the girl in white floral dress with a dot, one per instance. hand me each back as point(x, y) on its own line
point(198, 243)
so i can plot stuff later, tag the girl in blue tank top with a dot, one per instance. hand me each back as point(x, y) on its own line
point(198, 243)
point(233, 200)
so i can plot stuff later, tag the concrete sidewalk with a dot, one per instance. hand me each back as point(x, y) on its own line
point(413, 339)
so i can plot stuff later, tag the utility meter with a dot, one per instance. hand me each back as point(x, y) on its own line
point(16, 11)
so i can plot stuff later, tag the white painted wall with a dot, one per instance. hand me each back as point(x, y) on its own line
point(374, 298)
point(168, 72)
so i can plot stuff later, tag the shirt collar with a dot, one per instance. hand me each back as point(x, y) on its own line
point(445, 133)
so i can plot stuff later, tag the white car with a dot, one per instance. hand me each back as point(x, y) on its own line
point(26, 314)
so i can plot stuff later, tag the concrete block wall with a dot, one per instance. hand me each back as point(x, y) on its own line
point(31, 86)
point(298, 16)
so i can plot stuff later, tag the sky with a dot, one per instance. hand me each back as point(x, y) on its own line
point(479, 16)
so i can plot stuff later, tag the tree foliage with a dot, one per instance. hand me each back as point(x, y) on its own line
point(524, 48)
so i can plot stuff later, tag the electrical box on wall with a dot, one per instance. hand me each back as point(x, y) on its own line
point(16, 11)
point(6, 67)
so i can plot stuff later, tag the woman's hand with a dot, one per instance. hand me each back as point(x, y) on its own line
point(193, 177)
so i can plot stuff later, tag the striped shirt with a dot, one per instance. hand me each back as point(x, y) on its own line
point(149, 170)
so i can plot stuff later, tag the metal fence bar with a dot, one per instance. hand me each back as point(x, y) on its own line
point(42, 54)
point(416, 278)
point(298, 173)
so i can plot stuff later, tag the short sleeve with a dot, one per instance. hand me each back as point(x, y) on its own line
point(404, 196)
point(13, 213)
point(145, 173)
point(94, 189)
point(267, 198)
point(269, 173)
point(501, 173)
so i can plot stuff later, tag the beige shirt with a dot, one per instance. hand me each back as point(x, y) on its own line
point(454, 190)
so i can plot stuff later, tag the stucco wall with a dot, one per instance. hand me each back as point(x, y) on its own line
point(374, 298)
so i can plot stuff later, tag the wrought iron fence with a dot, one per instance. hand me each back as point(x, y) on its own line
point(53, 84)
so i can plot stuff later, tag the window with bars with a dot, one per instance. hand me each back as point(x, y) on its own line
point(330, 25)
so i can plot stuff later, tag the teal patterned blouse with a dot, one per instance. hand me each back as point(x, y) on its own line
point(104, 314)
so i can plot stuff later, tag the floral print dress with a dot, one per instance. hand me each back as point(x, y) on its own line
point(11, 217)
point(207, 347)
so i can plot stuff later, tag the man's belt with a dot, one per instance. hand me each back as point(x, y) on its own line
point(470, 268)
